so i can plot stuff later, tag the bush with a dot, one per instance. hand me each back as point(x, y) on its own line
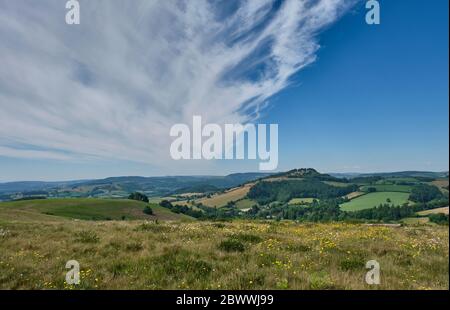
point(134, 246)
point(166, 204)
point(441, 219)
point(148, 210)
point(352, 264)
point(247, 238)
point(153, 227)
point(87, 236)
point(232, 245)
point(138, 196)
point(321, 281)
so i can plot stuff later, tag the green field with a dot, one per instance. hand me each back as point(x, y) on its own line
point(402, 179)
point(416, 221)
point(301, 201)
point(251, 255)
point(337, 184)
point(389, 188)
point(374, 199)
point(245, 203)
point(87, 209)
point(220, 200)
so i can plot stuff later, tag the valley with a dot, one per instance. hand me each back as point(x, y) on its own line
point(299, 229)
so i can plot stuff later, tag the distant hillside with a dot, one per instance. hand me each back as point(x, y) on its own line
point(399, 174)
point(120, 187)
point(85, 209)
point(304, 173)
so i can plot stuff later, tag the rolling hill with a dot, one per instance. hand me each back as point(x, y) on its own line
point(85, 209)
point(120, 187)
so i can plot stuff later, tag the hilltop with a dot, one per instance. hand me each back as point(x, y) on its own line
point(294, 230)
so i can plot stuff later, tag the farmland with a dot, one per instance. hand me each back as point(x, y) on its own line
point(87, 209)
point(388, 188)
point(299, 201)
point(217, 240)
point(443, 210)
point(245, 203)
point(221, 199)
point(374, 199)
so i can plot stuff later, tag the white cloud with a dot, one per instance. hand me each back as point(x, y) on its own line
point(112, 86)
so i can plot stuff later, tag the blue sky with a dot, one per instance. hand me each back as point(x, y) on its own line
point(96, 100)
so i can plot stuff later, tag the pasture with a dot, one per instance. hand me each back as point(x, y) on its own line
point(87, 209)
point(375, 199)
point(251, 255)
point(301, 201)
point(245, 203)
point(220, 200)
point(443, 210)
point(388, 188)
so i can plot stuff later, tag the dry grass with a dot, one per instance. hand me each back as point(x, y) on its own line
point(441, 182)
point(354, 195)
point(221, 200)
point(232, 255)
point(434, 211)
point(442, 185)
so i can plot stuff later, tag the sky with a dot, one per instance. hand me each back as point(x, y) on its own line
point(98, 99)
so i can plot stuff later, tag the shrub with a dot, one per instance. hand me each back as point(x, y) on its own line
point(232, 245)
point(351, 264)
point(441, 219)
point(148, 210)
point(178, 262)
point(87, 236)
point(166, 204)
point(424, 193)
point(138, 196)
point(218, 225)
point(320, 281)
point(134, 246)
point(153, 227)
point(247, 238)
point(118, 268)
point(298, 248)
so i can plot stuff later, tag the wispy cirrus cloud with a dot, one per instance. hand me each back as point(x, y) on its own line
point(112, 86)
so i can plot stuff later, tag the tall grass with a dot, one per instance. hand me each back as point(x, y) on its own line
point(232, 255)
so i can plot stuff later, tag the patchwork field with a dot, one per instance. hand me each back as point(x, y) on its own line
point(374, 199)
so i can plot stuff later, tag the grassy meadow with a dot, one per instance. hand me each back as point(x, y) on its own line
point(374, 199)
point(173, 253)
point(388, 188)
point(86, 209)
